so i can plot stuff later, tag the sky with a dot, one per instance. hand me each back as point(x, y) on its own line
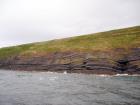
point(26, 21)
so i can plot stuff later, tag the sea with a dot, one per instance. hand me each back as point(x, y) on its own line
point(47, 88)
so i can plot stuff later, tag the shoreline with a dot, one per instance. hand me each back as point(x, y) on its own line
point(65, 72)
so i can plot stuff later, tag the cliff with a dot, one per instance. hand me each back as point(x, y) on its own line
point(111, 52)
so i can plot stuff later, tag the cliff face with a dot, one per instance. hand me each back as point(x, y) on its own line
point(73, 62)
point(110, 52)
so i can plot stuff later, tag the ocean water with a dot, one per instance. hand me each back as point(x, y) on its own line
point(46, 88)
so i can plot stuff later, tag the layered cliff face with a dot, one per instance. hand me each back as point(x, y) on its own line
point(111, 52)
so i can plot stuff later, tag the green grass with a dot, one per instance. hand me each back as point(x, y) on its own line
point(103, 41)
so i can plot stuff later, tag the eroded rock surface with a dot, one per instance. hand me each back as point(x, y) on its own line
point(97, 63)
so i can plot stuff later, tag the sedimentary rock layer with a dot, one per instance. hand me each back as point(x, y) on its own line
point(76, 62)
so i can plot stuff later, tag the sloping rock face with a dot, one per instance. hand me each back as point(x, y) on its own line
point(74, 62)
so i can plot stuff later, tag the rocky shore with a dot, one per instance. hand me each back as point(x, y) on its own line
point(110, 63)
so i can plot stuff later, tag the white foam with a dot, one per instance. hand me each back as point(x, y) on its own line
point(65, 72)
point(121, 75)
point(103, 75)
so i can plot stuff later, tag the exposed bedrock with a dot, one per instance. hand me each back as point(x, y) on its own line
point(98, 62)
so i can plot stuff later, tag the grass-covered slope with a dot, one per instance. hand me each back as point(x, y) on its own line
point(104, 41)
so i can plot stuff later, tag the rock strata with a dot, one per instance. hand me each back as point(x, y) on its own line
point(102, 63)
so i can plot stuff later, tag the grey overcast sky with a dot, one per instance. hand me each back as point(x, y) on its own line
point(25, 21)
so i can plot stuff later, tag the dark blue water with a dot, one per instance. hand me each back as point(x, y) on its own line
point(42, 88)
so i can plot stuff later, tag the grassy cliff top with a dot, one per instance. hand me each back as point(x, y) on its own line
point(103, 41)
